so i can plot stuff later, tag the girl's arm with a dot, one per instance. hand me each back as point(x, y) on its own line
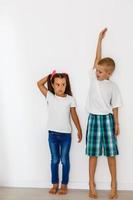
point(76, 122)
point(99, 47)
point(115, 113)
point(41, 85)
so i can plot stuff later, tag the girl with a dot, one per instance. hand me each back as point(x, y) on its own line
point(61, 105)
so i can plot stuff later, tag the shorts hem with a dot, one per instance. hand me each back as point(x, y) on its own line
point(111, 155)
point(97, 155)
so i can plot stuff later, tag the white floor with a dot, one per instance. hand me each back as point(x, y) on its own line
point(42, 194)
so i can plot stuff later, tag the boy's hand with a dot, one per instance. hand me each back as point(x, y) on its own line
point(79, 136)
point(102, 33)
point(117, 129)
point(99, 48)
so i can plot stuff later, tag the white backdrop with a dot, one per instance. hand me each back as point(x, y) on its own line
point(37, 37)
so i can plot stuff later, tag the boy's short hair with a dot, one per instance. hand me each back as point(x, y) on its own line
point(107, 62)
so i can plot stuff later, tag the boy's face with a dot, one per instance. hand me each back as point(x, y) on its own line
point(102, 73)
point(59, 86)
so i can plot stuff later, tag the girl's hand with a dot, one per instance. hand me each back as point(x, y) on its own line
point(117, 129)
point(79, 136)
point(102, 33)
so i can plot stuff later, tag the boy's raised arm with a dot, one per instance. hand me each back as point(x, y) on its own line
point(99, 47)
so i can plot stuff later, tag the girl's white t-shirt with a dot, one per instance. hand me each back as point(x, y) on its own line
point(59, 112)
point(103, 96)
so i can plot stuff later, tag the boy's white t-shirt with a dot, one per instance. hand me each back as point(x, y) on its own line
point(59, 112)
point(103, 96)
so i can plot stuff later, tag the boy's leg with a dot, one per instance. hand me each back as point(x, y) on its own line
point(111, 150)
point(92, 169)
point(112, 168)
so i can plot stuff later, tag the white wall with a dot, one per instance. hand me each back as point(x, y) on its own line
point(37, 37)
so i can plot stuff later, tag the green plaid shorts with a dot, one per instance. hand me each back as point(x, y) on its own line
point(100, 135)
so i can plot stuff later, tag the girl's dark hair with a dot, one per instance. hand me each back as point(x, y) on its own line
point(51, 79)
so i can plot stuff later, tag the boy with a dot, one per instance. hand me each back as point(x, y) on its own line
point(103, 125)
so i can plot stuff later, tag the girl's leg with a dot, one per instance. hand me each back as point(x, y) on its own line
point(65, 148)
point(112, 168)
point(55, 159)
point(92, 169)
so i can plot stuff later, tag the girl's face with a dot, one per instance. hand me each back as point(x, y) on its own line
point(59, 86)
point(102, 73)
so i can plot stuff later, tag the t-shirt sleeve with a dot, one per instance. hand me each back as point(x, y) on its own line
point(73, 102)
point(116, 99)
point(49, 96)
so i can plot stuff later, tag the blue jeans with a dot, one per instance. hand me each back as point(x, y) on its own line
point(59, 144)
